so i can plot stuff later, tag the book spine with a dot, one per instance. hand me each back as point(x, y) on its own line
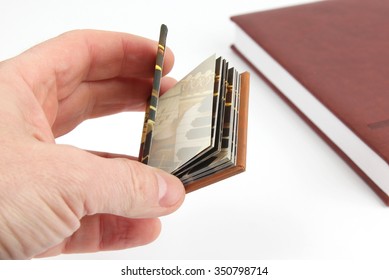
point(151, 108)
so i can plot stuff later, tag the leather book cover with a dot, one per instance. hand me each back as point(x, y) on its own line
point(339, 52)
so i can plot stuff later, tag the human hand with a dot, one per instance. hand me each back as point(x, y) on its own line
point(58, 198)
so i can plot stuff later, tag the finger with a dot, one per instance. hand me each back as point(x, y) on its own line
point(134, 190)
point(107, 232)
point(64, 62)
point(166, 84)
point(115, 186)
point(96, 99)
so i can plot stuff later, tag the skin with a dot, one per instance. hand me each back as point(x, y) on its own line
point(60, 199)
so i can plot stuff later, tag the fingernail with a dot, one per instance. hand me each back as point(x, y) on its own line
point(162, 186)
point(168, 196)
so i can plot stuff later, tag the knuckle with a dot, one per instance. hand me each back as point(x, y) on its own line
point(141, 186)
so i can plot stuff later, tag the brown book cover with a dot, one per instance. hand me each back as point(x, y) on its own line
point(329, 61)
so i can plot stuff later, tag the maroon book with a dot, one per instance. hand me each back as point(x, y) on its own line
point(329, 61)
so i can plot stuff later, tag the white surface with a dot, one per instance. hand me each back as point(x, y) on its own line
point(297, 199)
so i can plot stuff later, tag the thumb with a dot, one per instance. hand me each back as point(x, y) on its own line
point(124, 187)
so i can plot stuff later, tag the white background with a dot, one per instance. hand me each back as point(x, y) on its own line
point(297, 199)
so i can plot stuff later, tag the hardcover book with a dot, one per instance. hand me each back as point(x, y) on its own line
point(329, 61)
point(197, 129)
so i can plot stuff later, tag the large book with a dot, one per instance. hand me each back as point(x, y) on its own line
point(197, 130)
point(329, 61)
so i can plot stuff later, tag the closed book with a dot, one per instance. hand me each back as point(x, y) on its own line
point(329, 61)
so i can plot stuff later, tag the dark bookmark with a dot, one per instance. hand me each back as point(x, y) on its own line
point(151, 109)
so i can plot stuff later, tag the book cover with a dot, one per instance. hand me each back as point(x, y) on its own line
point(197, 129)
point(329, 61)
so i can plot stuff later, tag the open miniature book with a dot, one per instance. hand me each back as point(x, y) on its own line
point(197, 130)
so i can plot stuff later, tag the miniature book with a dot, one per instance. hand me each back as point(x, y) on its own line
point(197, 129)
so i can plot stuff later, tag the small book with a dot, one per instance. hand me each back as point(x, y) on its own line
point(329, 61)
point(197, 130)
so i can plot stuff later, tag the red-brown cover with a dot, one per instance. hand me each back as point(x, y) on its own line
point(339, 51)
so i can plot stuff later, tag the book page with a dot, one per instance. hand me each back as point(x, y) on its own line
point(184, 119)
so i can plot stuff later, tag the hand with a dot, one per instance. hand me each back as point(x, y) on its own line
point(60, 199)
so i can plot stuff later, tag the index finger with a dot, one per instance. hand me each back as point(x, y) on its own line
point(92, 55)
